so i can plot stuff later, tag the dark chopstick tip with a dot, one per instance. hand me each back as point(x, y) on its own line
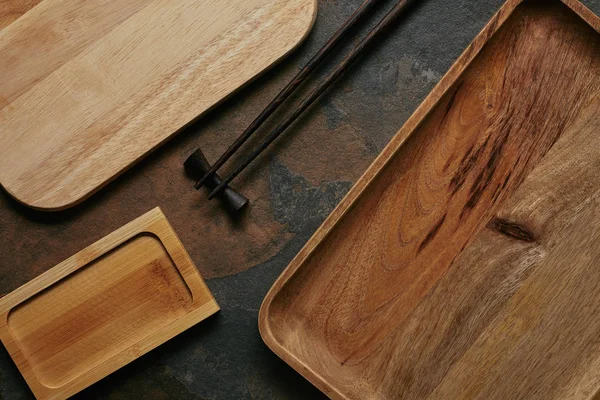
point(215, 192)
point(199, 184)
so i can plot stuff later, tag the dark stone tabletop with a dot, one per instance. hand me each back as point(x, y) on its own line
point(292, 187)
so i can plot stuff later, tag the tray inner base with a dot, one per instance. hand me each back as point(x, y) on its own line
point(99, 311)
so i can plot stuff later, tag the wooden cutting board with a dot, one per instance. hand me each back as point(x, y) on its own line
point(465, 263)
point(95, 86)
point(104, 307)
point(51, 34)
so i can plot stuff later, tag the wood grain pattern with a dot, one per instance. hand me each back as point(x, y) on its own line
point(460, 265)
point(130, 90)
point(50, 35)
point(104, 307)
point(11, 10)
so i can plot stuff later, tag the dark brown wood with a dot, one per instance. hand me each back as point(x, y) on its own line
point(290, 88)
point(397, 11)
point(464, 263)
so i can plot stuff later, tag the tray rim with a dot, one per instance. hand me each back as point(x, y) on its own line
point(154, 223)
point(380, 162)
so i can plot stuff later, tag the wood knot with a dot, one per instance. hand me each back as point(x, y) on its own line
point(512, 230)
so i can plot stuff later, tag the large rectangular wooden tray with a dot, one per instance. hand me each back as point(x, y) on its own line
point(465, 263)
point(104, 307)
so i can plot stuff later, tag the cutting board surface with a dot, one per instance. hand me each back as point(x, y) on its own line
point(51, 34)
point(10, 10)
point(465, 262)
point(97, 85)
point(103, 307)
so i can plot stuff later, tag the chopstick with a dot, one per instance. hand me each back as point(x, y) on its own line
point(398, 10)
point(290, 88)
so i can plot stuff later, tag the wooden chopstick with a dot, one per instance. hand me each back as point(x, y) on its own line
point(398, 10)
point(289, 89)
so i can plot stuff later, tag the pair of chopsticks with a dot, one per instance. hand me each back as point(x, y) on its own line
point(399, 9)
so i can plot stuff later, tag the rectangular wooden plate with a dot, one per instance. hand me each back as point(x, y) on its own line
point(465, 263)
point(104, 307)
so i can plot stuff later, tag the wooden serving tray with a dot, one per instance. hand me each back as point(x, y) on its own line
point(104, 307)
point(465, 263)
point(94, 86)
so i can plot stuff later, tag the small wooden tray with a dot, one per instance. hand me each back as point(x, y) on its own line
point(465, 262)
point(104, 307)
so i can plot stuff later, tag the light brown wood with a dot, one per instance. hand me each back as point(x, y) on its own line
point(50, 35)
point(104, 307)
point(464, 263)
point(11, 10)
point(119, 96)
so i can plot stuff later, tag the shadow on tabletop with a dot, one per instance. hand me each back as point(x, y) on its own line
point(192, 131)
point(149, 376)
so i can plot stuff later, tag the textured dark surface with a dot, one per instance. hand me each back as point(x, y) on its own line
point(292, 189)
